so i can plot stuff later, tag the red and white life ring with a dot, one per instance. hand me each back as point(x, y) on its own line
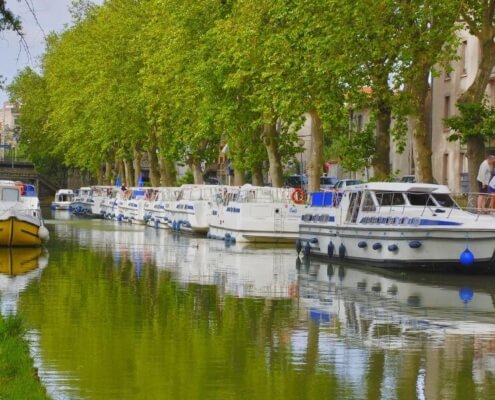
point(298, 196)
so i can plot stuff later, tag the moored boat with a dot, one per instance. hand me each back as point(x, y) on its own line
point(21, 222)
point(256, 214)
point(63, 199)
point(398, 225)
point(83, 202)
point(191, 211)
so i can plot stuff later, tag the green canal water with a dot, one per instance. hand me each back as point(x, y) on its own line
point(128, 312)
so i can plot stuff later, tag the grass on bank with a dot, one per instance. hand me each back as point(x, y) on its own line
point(18, 377)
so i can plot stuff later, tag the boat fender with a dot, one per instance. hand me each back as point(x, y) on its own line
point(174, 226)
point(330, 249)
point(156, 223)
point(393, 247)
point(227, 237)
point(377, 246)
point(43, 233)
point(307, 249)
point(415, 244)
point(466, 258)
point(466, 294)
point(232, 239)
point(342, 250)
point(208, 235)
point(298, 246)
point(178, 225)
point(362, 244)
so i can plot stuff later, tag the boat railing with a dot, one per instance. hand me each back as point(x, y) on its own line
point(465, 201)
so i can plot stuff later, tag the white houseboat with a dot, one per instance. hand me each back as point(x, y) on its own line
point(256, 214)
point(63, 199)
point(397, 225)
point(191, 212)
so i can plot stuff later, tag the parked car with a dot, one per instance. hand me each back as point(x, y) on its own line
point(343, 183)
point(412, 179)
point(297, 181)
point(328, 182)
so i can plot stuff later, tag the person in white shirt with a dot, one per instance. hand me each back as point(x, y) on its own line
point(484, 175)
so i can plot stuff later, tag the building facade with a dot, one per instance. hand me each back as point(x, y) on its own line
point(8, 132)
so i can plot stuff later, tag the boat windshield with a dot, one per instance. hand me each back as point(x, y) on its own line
point(431, 199)
point(444, 200)
point(10, 194)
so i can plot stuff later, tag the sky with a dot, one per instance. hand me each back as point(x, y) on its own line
point(52, 15)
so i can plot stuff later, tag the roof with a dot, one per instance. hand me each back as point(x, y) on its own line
point(401, 187)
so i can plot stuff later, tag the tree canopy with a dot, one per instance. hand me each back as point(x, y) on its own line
point(175, 81)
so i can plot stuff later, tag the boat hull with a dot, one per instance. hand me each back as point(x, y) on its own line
point(252, 236)
point(18, 232)
point(429, 248)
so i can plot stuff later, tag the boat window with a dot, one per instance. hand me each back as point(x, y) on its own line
point(10, 194)
point(420, 199)
point(368, 203)
point(354, 203)
point(444, 200)
point(390, 199)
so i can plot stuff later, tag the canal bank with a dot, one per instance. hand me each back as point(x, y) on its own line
point(18, 377)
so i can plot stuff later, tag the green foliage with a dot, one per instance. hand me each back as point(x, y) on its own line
point(8, 21)
point(355, 149)
point(474, 119)
point(187, 178)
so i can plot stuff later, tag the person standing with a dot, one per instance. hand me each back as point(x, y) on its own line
point(484, 175)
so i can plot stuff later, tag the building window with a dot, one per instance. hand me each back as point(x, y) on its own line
point(446, 111)
point(463, 58)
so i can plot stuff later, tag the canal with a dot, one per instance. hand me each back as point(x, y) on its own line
point(117, 311)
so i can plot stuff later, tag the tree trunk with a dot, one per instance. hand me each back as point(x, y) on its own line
point(257, 176)
point(153, 157)
point(137, 165)
point(108, 173)
point(476, 155)
point(421, 140)
point(168, 174)
point(475, 94)
point(195, 166)
point(315, 163)
point(120, 170)
point(381, 158)
point(99, 176)
point(271, 142)
point(239, 177)
point(128, 173)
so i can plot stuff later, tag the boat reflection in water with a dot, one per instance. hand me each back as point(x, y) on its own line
point(195, 307)
point(438, 322)
point(18, 267)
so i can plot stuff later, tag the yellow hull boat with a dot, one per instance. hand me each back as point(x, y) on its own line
point(21, 223)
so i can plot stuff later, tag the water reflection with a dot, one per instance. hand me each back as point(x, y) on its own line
point(18, 267)
point(129, 312)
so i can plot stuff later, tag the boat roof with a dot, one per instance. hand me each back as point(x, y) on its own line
point(401, 187)
point(7, 183)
